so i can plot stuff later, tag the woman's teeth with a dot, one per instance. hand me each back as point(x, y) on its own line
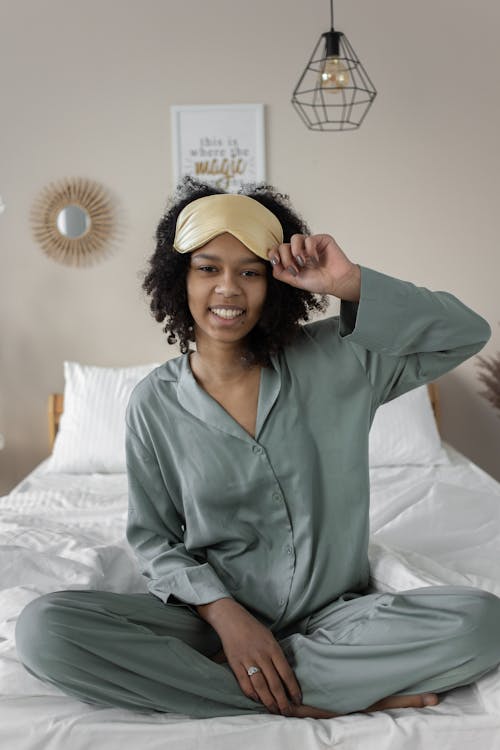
point(222, 313)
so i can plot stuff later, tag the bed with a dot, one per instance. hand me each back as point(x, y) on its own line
point(435, 519)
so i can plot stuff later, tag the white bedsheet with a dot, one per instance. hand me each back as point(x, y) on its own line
point(430, 526)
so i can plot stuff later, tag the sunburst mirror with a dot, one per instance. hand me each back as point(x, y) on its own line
point(73, 221)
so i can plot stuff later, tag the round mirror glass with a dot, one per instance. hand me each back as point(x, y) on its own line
point(73, 221)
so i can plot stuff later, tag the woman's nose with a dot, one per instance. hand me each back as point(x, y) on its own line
point(228, 284)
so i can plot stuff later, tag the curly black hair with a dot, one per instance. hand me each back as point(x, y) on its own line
point(165, 281)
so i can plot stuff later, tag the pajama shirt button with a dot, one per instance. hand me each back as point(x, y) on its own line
point(257, 449)
point(289, 550)
point(276, 496)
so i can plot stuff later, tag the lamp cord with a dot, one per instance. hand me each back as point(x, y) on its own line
point(331, 13)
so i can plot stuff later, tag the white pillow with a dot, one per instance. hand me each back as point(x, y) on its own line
point(91, 434)
point(404, 431)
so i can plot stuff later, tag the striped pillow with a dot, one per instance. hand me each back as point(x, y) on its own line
point(91, 434)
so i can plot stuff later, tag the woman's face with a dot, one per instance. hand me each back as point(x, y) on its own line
point(225, 274)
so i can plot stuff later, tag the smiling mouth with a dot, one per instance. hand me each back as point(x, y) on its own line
point(226, 314)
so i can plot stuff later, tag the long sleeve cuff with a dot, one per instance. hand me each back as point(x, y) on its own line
point(193, 585)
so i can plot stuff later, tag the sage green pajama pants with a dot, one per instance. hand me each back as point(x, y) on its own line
point(134, 651)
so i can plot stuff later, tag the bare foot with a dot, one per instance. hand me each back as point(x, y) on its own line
point(311, 712)
point(420, 700)
point(392, 701)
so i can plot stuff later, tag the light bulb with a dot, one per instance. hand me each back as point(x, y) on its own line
point(333, 76)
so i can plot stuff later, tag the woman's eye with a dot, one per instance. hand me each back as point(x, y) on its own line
point(212, 268)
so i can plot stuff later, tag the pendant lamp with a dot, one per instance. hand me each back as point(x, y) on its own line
point(334, 91)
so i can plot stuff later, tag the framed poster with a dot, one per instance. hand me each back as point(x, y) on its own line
point(222, 144)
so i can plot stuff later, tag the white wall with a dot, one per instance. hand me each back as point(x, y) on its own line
point(86, 91)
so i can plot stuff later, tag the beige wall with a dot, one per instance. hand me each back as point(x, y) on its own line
point(86, 90)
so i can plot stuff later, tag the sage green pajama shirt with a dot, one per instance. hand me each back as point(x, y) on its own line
point(280, 523)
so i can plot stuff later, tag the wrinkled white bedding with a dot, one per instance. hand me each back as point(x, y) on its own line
point(430, 525)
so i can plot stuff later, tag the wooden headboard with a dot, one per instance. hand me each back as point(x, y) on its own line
point(56, 406)
point(433, 389)
point(55, 410)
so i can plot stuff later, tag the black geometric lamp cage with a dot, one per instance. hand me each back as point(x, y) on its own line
point(334, 91)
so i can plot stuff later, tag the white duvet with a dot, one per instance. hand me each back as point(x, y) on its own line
point(430, 526)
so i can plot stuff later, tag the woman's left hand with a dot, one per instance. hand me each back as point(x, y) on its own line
point(326, 269)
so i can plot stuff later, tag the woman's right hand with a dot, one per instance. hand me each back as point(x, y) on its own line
point(246, 643)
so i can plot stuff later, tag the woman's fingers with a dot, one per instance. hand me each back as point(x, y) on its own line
point(285, 261)
point(261, 684)
point(287, 676)
point(277, 690)
point(299, 253)
point(255, 689)
point(247, 642)
point(311, 249)
point(241, 675)
point(266, 687)
point(306, 247)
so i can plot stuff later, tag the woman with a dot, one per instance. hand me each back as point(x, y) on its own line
point(247, 462)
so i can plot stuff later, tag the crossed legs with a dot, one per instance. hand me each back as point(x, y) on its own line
point(131, 650)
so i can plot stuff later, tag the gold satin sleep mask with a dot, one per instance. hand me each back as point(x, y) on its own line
point(243, 217)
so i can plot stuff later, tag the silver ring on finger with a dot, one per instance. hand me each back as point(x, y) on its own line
point(252, 670)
